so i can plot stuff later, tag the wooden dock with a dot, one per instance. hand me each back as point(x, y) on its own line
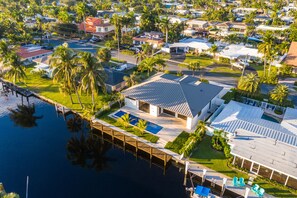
point(14, 89)
point(132, 140)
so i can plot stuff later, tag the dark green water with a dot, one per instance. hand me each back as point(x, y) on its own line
point(61, 163)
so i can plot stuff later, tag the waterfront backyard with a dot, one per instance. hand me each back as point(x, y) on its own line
point(63, 160)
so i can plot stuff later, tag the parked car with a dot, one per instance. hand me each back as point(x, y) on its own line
point(124, 46)
point(122, 67)
point(135, 49)
point(95, 39)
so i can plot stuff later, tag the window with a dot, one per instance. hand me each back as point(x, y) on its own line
point(265, 172)
point(182, 117)
point(292, 183)
point(106, 29)
point(247, 165)
point(169, 112)
point(280, 178)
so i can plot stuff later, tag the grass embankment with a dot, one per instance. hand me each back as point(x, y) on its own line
point(226, 71)
point(45, 87)
point(178, 143)
point(131, 129)
point(204, 154)
point(203, 60)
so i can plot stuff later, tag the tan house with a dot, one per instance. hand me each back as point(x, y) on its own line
point(291, 58)
point(152, 38)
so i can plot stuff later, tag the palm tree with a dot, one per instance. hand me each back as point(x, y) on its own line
point(92, 75)
point(140, 56)
point(64, 64)
point(213, 50)
point(124, 120)
point(104, 54)
point(14, 67)
point(194, 66)
point(164, 25)
point(201, 127)
point(249, 83)
point(266, 48)
point(160, 63)
point(119, 97)
point(39, 27)
point(141, 125)
point(4, 50)
point(117, 21)
point(279, 93)
point(148, 65)
point(132, 80)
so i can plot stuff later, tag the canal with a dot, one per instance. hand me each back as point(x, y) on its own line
point(63, 160)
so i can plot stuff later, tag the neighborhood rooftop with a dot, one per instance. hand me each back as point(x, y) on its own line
point(265, 151)
point(237, 115)
point(185, 95)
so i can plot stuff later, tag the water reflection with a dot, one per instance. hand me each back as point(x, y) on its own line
point(86, 149)
point(23, 116)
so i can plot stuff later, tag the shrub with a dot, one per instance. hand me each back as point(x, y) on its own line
point(224, 60)
point(278, 111)
point(295, 83)
point(127, 52)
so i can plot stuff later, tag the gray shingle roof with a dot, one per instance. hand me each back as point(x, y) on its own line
point(177, 94)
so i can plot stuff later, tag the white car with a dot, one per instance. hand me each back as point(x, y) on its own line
point(121, 67)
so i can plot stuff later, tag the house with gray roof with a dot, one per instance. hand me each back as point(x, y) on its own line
point(183, 97)
point(114, 80)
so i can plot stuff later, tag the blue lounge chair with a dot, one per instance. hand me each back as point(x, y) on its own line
point(255, 188)
point(241, 182)
point(235, 181)
point(261, 192)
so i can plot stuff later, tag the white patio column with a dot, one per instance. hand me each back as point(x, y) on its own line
point(271, 174)
point(242, 163)
point(203, 175)
point(234, 160)
point(246, 194)
point(287, 180)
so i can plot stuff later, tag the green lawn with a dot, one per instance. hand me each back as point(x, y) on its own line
point(203, 60)
point(178, 143)
point(45, 87)
point(226, 71)
point(204, 154)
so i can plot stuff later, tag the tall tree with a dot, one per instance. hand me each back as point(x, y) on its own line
point(249, 83)
point(104, 54)
point(92, 75)
point(279, 93)
point(14, 67)
point(266, 48)
point(164, 25)
point(63, 63)
point(194, 66)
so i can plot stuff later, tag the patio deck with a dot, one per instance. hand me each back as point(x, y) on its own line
point(172, 126)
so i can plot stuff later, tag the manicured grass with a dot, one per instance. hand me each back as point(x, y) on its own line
point(131, 129)
point(204, 154)
point(178, 143)
point(226, 71)
point(203, 60)
point(45, 87)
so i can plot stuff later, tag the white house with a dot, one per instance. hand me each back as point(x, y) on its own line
point(259, 142)
point(234, 51)
point(184, 97)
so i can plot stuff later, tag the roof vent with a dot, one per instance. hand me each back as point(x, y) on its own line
point(251, 157)
point(272, 161)
point(284, 153)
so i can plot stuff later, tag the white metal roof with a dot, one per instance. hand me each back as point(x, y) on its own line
point(237, 115)
point(271, 28)
point(194, 44)
point(234, 51)
point(265, 151)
